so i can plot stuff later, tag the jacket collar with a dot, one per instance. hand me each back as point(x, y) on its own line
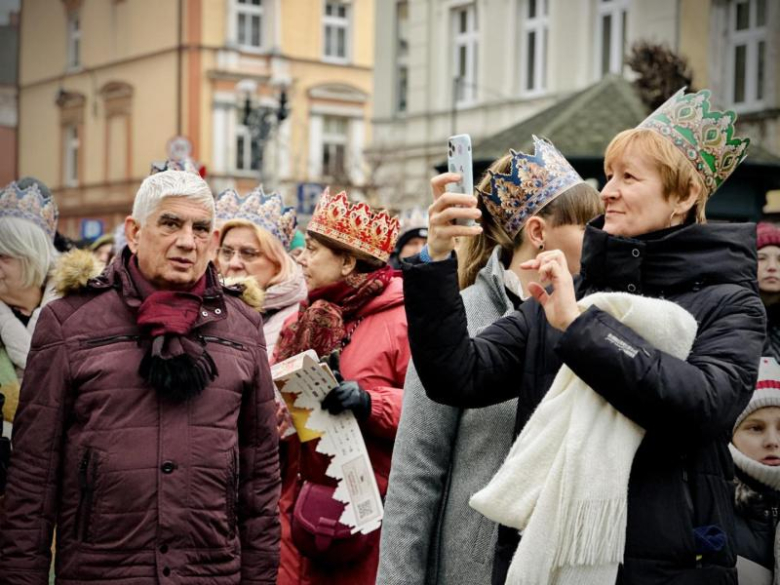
point(670, 261)
point(492, 278)
point(116, 275)
point(392, 296)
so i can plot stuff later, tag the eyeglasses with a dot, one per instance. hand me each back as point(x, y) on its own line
point(245, 254)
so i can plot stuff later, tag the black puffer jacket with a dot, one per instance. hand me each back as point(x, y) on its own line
point(681, 477)
point(757, 512)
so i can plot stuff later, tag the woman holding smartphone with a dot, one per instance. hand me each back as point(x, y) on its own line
point(444, 454)
point(652, 241)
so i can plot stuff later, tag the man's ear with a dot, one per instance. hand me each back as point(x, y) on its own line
point(132, 229)
point(348, 263)
point(213, 242)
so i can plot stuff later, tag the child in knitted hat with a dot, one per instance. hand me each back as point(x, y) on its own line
point(755, 447)
point(768, 246)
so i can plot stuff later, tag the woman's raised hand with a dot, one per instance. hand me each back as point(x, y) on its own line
point(445, 208)
point(560, 306)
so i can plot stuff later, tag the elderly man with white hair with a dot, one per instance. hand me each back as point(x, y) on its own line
point(146, 428)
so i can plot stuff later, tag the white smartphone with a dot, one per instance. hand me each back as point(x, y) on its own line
point(459, 161)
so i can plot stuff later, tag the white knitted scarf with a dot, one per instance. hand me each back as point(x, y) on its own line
point(564, 484)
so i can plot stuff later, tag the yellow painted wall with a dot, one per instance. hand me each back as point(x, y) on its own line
point(119, 31)
point(39, 134)
point(302, 37)
point(111, 31)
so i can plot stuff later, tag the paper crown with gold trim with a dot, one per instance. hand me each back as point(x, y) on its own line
point(265, 211)
point(705, 136)
point(31, 205)
point(355, 225)
point(532, 182)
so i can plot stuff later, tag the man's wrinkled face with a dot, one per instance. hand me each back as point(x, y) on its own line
point(175, 244)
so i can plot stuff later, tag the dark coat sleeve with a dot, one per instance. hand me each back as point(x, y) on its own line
point(259, 482)
point(455, 369)
point(697, 398)
point(32, 494)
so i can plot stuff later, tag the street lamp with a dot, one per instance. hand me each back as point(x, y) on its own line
point(261, 120)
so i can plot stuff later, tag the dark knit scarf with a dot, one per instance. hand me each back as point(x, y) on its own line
point(327, 320)
point(177, 368)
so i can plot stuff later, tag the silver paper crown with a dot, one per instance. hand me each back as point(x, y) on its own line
point(30, 204)
point(265, 211)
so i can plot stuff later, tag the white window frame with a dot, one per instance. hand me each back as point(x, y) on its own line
point(469, 40)
point(401, 60)
point(335, 23)
point(74, 40)
point(249, 11)
point(244, 132)
point(750, 38)
point(332, 141)
point(539, 27)
point(71, 144)
point(618, 10)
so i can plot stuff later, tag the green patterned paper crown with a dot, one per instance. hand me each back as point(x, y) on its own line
point(704, 136)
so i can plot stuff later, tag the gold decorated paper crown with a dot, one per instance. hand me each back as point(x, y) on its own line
point(31, 205)
point(265, 211)
point(532, 182)
point(355, 225)
point(704, 136)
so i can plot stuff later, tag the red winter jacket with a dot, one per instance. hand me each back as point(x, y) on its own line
point(141, 491)
point(377, 358)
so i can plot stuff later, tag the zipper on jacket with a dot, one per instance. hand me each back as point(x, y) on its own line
point(98, 341)
point(686, 486)
point(231, 497)
point(204, 339)
point(87, 467)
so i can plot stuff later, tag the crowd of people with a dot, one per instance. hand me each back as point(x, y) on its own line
point(580, 388)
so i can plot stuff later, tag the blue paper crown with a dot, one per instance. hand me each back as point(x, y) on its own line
point(532, 182)
point(265, 211)
point(31, 205)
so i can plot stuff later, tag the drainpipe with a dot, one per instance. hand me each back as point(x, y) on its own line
point(179, 49)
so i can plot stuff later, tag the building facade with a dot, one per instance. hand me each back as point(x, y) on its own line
point(251, 90)
point(9, 55)
point(734, 49)
point(447, 67)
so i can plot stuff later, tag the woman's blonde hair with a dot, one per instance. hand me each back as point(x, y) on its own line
point(575, 206)
point(677, 172)
point(269, 245)
point(26, 241)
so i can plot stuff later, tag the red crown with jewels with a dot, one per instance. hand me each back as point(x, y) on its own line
point(355, 225)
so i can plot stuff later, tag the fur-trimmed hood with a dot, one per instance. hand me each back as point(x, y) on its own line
point(249, 291)
point(74, 270)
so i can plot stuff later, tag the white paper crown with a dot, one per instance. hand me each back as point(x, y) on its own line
point(265, 211)
point(30, 204)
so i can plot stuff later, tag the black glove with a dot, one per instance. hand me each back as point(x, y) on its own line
point(348, 396)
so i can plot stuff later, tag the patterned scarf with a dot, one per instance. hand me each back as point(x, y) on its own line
point(327, 321)
point(175, 366)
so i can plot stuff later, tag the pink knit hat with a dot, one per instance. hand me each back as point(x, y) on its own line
point(767, 391)
point(768, 234)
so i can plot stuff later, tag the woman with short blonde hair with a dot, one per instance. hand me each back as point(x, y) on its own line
point(254, 237)
point(666, 515)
